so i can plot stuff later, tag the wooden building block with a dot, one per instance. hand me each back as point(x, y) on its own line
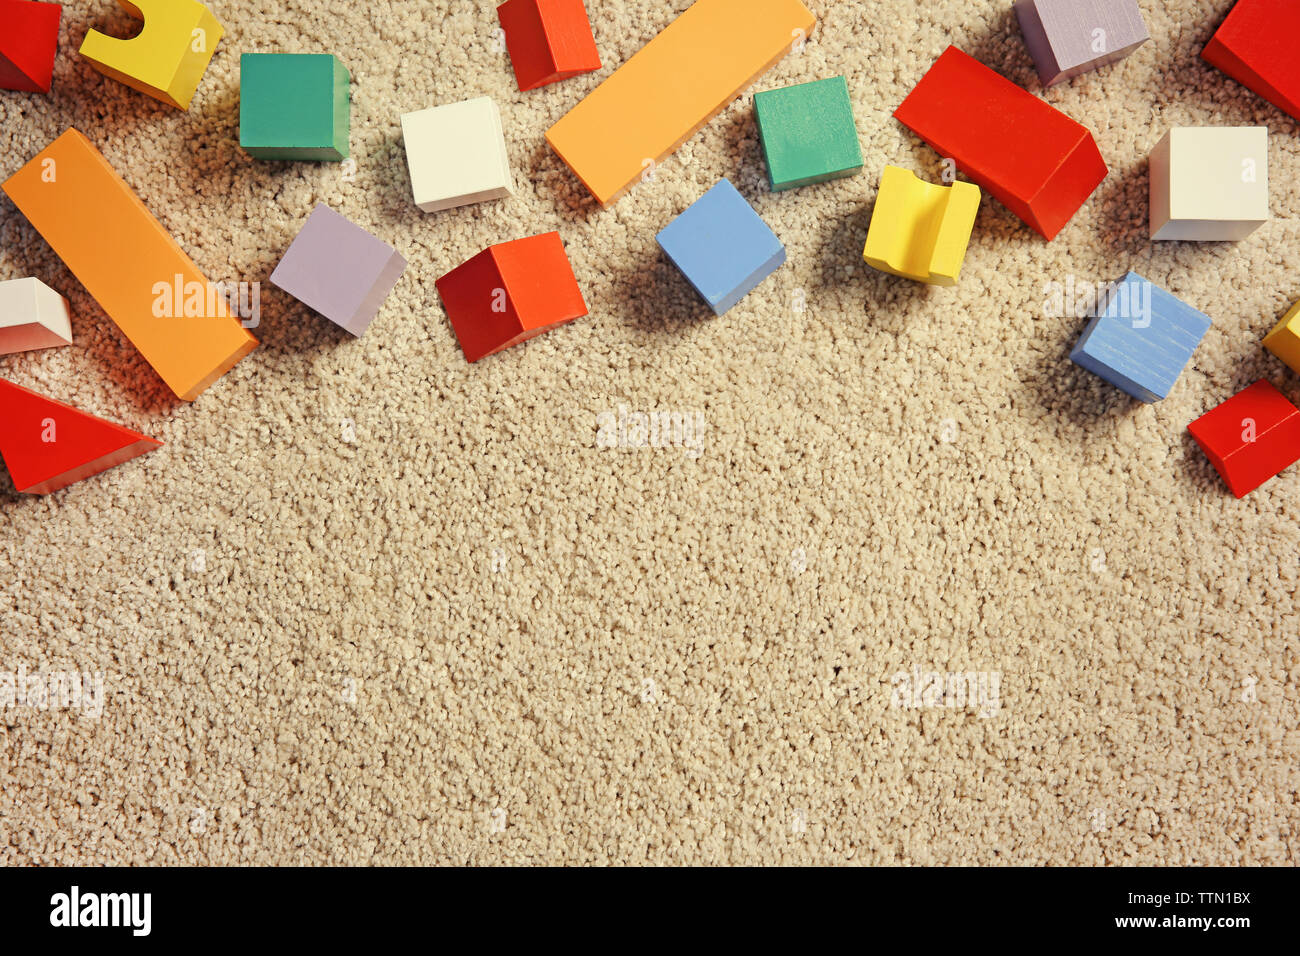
point(1034, 159)
point(918, 230)
point(169, 55)
point(340, 270)
point(672, 87)
point(722, 246)
point(1251, 437)
point(294, 106)
point(1284, 340)
point(1209, 183)
point(548, 40)
point(124, 257)
point(476, 170)
point(808, 133)
point(1069, 37)
point(47, 445)
point(29, 42)
point(1141, 338)
point(509, 293)
point(32, 316)
point(1257, 45)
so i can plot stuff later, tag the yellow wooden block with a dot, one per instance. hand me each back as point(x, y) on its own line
point(168, 57)
point(1284, 340)
point(918, 230)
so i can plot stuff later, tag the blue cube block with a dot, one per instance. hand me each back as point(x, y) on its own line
point(1141, 338)
point(722, 246)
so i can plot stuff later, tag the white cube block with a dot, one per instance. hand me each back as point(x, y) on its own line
point(457, 154)
point(1209, 183)
point(32, 316)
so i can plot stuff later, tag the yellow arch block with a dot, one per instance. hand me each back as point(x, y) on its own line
point(168, 57)
point(921, 231)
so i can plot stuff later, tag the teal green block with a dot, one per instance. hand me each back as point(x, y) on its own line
point(808, 133)
point(294, 106)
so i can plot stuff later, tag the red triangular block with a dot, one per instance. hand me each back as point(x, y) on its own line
point(48, 445)
point(29, 42)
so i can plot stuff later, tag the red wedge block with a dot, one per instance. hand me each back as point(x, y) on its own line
point(1257, 46)
point(48, 445)
point(548, 40)
point(1034, 159)
point(29, 40)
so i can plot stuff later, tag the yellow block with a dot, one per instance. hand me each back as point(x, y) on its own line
point(1284, 340)
point(168, 57)
point(677, 82)
point(918, 230)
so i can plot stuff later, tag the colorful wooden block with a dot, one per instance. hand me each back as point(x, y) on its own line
point(1257, 45)
point(1140, 338)
point(722, 246)
point(918, 230)
point(509, 293)
point(1284, 340)
point(672, 87)
point(808, 133)
point(1069, 37)
point(47, 445)
point(168, 57)
point(1209, 183)
point(32, 316)
point(1251, 437)
point(340, 270)
point(126, 260)
point(29, 42)
point(475, 169)
point(548, 40)
point(1034, 159)
point(294, 106)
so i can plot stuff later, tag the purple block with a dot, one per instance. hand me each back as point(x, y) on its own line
point(339, 269)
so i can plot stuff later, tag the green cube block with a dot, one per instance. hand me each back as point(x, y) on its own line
point(294, 106)
point(808, 133)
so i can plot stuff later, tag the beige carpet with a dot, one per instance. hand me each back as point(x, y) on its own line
point(371, 604)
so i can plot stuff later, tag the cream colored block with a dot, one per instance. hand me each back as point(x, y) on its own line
point(457, 154)
point(32, 316)
point(1209, 183)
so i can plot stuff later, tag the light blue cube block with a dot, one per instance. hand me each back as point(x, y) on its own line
point(722, 246)
point(1141, 338)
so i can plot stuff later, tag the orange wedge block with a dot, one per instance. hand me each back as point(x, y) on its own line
point(678, 82)
point(129, 263)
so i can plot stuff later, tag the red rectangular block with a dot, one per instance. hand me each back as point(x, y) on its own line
point(1250, 437)
point(29, 41)
point(1034, 159)
point(1259, 47)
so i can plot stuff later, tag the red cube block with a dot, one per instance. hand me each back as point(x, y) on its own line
point(1250, 437)
point(548, 40)
point(510, 292)
point(1034, 159)
point(1259, 47)
point(29, 40)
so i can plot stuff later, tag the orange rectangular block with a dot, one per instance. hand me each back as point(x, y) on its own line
point(130, 264)
point(678, 82)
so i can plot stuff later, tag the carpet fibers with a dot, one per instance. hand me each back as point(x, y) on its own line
point(862, 572)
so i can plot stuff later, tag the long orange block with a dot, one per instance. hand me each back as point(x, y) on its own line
point(130, 264)
point(671, 88)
